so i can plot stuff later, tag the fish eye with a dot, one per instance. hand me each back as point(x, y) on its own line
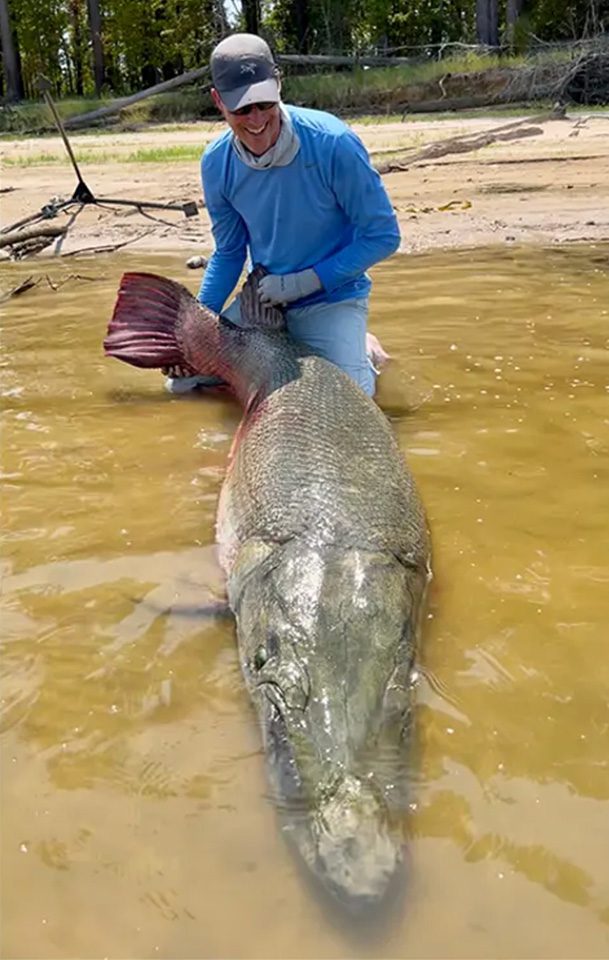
point(260, 657)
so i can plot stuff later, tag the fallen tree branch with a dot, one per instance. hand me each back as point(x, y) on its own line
point(117, 105)
point(462, 144)
point(332, 60)
point(29, 283)
point(26, 284)
point(110, 248)
point(30, 233)
point(569, 159)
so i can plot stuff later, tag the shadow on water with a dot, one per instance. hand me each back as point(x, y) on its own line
point(209, 611)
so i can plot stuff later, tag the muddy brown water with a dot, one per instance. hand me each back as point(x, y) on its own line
point(134, 809)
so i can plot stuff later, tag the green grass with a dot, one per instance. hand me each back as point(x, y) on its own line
point(166, 154)
point(152, 155)
point(57, 159)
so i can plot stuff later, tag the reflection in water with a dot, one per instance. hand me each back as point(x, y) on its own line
point(135, 818)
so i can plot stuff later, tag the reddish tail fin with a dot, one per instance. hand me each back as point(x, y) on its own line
point(147, 316)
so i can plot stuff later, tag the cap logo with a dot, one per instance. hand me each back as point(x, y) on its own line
point(248, 68)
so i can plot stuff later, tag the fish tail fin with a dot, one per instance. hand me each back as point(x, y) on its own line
point(148, 316)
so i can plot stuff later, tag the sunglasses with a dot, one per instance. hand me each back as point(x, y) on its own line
point(243, 111)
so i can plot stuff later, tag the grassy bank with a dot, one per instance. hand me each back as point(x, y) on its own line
point(152, 155)
point(359, 90)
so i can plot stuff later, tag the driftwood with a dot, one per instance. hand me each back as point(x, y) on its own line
point(449, 104)
point(323, 60)
point(26, 284)
point(588, 79)
point(108, 248)
point(30, 233)
point(465, 143)
point(30, 282)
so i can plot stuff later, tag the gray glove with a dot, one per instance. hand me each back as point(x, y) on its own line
point(289, 287)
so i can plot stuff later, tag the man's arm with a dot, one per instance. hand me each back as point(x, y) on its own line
point(359, 190)
point(230, 238)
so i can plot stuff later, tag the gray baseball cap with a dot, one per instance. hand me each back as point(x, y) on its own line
point(243, 71)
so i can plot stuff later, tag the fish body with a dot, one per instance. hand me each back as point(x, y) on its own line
point(323, 539)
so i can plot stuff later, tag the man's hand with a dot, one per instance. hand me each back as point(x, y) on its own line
point(289, 287)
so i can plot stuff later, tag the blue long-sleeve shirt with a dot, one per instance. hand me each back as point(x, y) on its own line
point(327, 209)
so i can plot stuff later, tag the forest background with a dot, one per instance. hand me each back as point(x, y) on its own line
point(115, 47)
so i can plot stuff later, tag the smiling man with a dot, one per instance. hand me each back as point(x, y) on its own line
point(294, 189)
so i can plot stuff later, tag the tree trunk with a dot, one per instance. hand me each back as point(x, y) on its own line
point(76, 13)
point(487, 22)
point(251, 14)
point(11, 237)
point(512, 13)
point(300, 16)
point(10, 56)
point(493, 19)
point(96, 41)
point(67, 54)
point(221, 24)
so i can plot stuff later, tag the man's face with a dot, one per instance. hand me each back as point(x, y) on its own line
point(257, 129)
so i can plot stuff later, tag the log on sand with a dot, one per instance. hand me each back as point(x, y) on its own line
point(12, 237)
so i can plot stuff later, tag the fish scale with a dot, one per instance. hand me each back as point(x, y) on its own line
point(287, 476)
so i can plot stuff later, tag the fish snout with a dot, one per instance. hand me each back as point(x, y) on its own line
point(356, 855)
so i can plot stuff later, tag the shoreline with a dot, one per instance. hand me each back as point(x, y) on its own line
point(548, 188)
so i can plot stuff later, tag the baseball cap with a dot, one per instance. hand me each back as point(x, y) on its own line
point(243, 71)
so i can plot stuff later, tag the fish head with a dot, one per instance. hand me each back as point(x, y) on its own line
point(327, 643)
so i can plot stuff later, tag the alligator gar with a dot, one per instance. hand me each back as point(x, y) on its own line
point(323, 539)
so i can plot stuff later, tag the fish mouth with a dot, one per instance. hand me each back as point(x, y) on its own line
point(356, 856)
point(339, 825)
point(340, 828)
point(347, 845)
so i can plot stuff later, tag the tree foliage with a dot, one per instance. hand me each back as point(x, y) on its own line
point(118, 46)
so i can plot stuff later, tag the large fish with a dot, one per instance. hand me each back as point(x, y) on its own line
point(323, 539)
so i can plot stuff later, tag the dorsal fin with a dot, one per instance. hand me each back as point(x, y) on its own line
point(256, 314)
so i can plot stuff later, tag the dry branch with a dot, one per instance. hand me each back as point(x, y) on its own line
point(314, 59)
point(30, 233)
point(29, 283)
point(117, 105)
point(109, 248)
point(26, 284)
point(463, 144)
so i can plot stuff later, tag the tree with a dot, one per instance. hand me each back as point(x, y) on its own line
point(487, 22)
point(96, 43)
point(300, 19)
point(10, 55)
point(76, 18)
point(251, 14)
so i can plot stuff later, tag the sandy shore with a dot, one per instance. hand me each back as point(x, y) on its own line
point(549, 188)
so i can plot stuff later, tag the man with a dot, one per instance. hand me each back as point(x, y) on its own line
point(295, 189)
